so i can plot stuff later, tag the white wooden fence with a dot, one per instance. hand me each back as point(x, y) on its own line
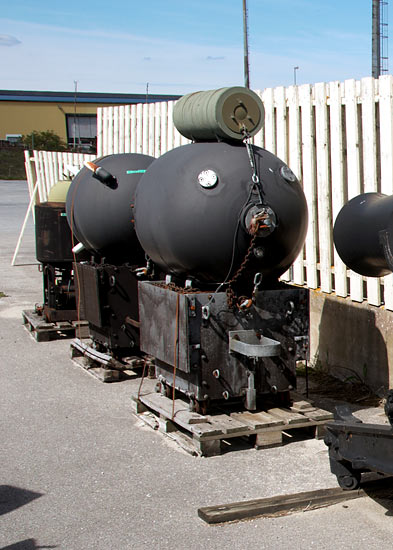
point(45, 168)
point(337, 138)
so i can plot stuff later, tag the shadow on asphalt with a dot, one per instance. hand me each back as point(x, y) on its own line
point(12, 498)
point(387, 503)
point(386, 499)
point(27, 544)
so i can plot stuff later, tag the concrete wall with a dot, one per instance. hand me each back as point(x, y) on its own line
point(346, 336)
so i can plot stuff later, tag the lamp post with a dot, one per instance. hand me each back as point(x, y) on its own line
point(294, 74)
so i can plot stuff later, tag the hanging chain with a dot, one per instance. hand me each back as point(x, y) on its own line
point(231, 296)
point(251, 157)
point(176, 288)
point(232, 299)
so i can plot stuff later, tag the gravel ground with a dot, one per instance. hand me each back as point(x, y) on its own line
point(80, 472)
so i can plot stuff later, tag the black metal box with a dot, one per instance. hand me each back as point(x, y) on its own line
point(197, 335)
point(53, 234)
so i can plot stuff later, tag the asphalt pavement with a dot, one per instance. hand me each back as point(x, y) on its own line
point(79, 471)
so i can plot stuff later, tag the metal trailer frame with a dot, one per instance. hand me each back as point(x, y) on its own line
point(356, 447)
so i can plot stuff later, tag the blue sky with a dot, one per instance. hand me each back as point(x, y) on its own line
point(179, 46)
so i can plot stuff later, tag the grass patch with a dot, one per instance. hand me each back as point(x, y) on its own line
point(2, 295)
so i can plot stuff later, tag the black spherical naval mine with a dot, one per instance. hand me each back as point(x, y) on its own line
point(197, 208)
point(100, 205)
point(363, 234)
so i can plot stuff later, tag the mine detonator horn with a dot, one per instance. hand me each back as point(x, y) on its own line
point(101, 174)
point(363, 234)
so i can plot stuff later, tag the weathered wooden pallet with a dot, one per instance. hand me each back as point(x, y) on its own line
point(103, 366)
point(43, 331)
point(207, 435)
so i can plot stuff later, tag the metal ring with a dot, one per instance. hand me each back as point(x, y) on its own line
point(254, 178)
point(257, 279)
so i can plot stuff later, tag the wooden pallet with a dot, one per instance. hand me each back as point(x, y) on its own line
point(105, 367)
point(43, 331)
point(208, 435)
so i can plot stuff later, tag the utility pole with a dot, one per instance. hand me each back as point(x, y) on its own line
point(245, 35)
point(379, 38)
point(75, 93)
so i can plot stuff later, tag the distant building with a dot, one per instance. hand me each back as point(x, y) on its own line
point(71, 116)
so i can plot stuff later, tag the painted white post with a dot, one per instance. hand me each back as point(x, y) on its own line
point(323, 187)
point(337, 174)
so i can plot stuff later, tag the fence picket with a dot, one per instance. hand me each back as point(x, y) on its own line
point(171, 126)
point(309, 182)
point(281, 123)
point(151, 130)
point(40, 174)
point(139, 128)
point(323, 187)
point(110, 131)
point(270, 125)
point(337, 175)
point(146, 129)
point(121, 122)
point(386, 146)
point(353, 168)
point(369, 153)
point(127, 128)
point(133, 127)
point(281, 140)
point(100, 119)
point(295, 163)
point(59, 165)
point(104, 150)
point(30, 172)
point(164, 127)
point(116, 130)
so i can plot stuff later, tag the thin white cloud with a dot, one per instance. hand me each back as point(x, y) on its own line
point(83, 33)
point(8, 40)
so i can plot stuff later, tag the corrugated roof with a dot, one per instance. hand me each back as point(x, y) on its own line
point(82, 97)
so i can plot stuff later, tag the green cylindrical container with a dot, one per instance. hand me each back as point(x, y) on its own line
point(58, 192)
point(223, 114)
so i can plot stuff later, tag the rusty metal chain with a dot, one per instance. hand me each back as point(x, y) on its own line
point(231, 296)
point(175, 288)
